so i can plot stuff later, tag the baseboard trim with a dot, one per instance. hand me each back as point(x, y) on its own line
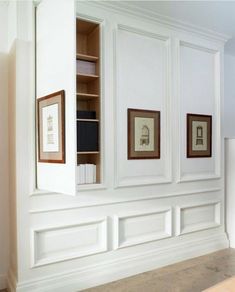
point(3, 282)
point(231, 238)
point(11, 281)
point(114, 270)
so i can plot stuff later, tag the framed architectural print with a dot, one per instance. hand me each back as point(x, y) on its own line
point(199, 136)
point(143, 134)
point(51, 128)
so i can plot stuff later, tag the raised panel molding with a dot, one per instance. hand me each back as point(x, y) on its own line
point(138, 228)
point(123, 266)
point(61, 243)
point(183, 176)
point(197, 217)
point(166, 175)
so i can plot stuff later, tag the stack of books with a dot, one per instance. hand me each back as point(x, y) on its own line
point(86, 174)
point(87, 131)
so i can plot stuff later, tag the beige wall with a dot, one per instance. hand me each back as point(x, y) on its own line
point(4, 222)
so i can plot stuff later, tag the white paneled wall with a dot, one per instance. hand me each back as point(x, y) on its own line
point(229, 96)
point(142, 80)
point(230, 189)
point(136, 228)
point(229, 134)
point(82, 239)
point(199, 92)
point(196, 217)
point(148, 213)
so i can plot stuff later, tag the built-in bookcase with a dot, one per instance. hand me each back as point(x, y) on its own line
point(88, 95)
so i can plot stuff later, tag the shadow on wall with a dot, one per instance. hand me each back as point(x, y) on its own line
point(229, 95)
point(4, 222)
point(229, 47)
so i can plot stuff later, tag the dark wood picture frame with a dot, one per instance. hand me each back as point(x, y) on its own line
point(148, 154)
point(43, 102)
point(192, 153)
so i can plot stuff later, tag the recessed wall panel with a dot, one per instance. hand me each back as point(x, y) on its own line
point(141, 83)
point(143, 227)
point(198, 217)
point(67, 242)
point(199, 93)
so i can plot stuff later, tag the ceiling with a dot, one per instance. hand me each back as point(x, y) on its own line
point(214, 15)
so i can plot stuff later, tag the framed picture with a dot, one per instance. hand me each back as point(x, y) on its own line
point(199, 135)
point(143, 134)
point(51, 128)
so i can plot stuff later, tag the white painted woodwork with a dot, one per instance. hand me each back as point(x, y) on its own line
point(229, 96)
point(143, 205)
point(197, 217)
point(139, 228)
point(62, 243)
point(230, 189)
point(142, 82)
point(199, 93)
point(56, 70)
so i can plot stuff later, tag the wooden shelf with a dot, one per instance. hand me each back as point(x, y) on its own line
point(88, 120)
point(86, 78)
point(88, 187)
point(88, 91)
point(87, 58)
point(88, 152)
point(86, 96)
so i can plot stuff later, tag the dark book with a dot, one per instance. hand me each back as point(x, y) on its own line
point(86, 115)
point(87, 136)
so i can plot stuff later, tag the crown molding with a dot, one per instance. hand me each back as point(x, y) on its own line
point(167, 21)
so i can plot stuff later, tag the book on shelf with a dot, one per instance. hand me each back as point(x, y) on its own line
point(87, 136)
point(86, 114)
point(86, 173)
point(86, 67)
point(81, 173)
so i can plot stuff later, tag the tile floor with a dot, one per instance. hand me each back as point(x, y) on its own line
point(192, 275)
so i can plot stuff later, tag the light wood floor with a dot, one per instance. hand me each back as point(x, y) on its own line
point(192, 275)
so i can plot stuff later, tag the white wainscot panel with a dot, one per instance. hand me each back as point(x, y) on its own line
point(199, 93)
point(198, 217)
point(138, 228)
point(62, 243)
point(142, 82)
